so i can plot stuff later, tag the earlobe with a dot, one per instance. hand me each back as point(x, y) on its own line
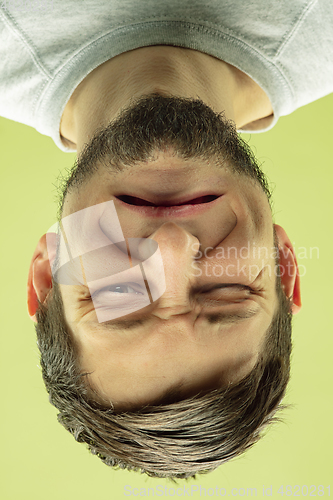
point(39, 278)
point(289, 272)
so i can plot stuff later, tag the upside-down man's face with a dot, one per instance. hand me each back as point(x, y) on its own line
point(217, 246)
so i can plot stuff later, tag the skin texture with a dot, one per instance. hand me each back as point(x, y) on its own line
point(177, 71)
point(181, 343)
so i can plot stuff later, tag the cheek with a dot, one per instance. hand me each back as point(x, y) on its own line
point(262, 214)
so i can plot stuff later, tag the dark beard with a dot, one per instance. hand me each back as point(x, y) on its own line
point(158, 123)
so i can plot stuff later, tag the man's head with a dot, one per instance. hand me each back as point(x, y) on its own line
point(170, 438)
point(224, 303)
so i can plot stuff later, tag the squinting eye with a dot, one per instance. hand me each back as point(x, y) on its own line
point(229, 292)
point(229, 288)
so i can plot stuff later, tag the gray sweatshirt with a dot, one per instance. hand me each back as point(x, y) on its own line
point(47, 47)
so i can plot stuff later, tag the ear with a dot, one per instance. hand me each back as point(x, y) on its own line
point(39, 279)
point(289, 269)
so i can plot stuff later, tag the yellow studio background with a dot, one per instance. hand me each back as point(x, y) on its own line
point(40, 460)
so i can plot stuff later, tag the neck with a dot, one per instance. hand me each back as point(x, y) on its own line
point(111, 87)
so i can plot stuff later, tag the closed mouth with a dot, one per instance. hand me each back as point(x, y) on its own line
point(133, 200)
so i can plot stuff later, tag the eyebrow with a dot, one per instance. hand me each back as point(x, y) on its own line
point(126, 324)
point(231, 317)
point(220, 317)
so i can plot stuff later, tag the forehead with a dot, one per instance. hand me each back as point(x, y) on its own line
point(142, 365)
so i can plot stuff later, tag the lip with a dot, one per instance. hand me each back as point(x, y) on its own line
point(176, 207)
point(168, 199)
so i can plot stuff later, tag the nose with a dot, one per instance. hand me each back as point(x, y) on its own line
point(178, 249)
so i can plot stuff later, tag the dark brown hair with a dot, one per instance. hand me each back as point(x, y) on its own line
point(178, 439)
